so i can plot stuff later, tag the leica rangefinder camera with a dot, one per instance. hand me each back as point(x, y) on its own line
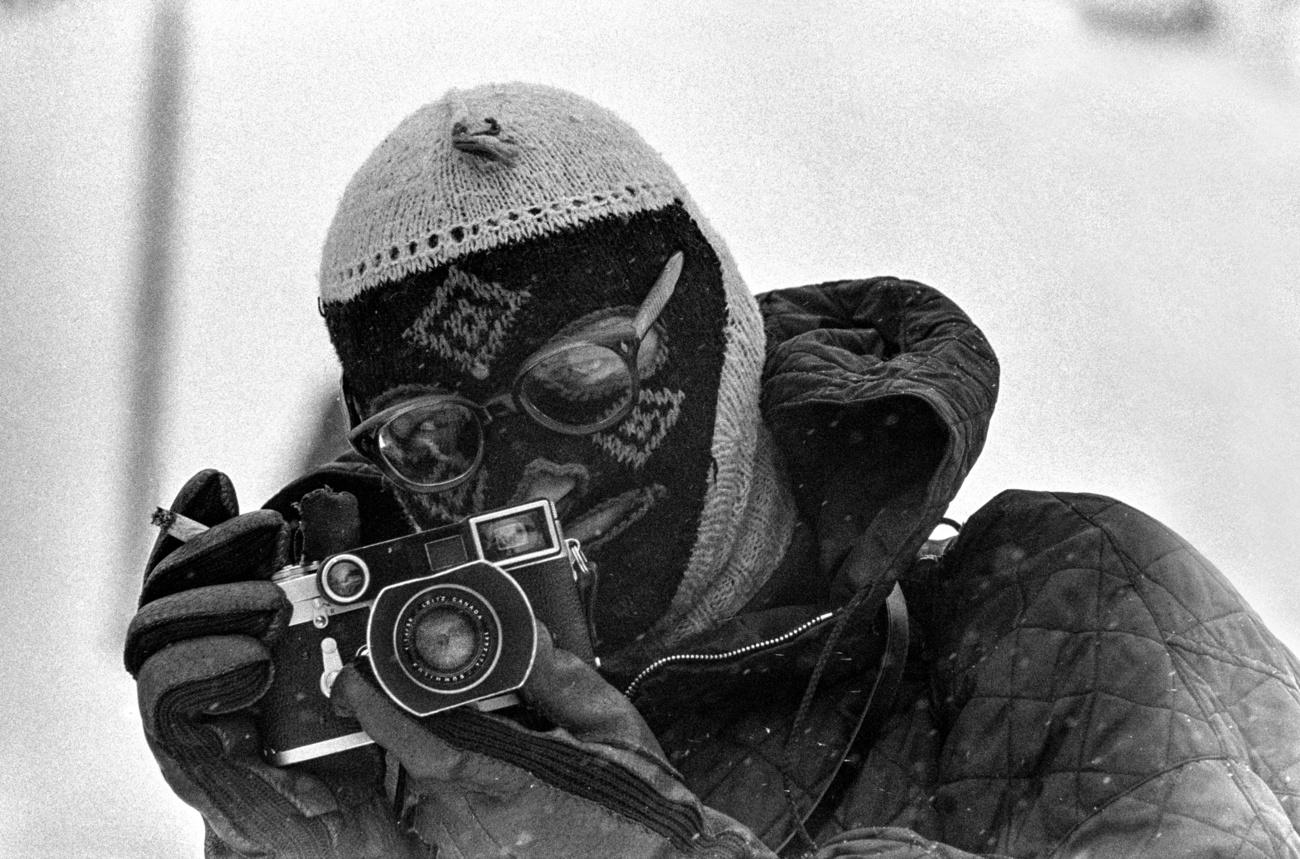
point(445, 617)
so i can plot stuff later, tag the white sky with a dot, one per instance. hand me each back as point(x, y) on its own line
point(1121, 218)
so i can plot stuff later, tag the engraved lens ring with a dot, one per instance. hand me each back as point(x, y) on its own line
point(447, 638)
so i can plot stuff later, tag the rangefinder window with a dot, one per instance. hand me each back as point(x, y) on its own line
point(344, 578)
point(523, 534)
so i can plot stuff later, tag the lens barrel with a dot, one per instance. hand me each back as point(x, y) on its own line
point(448, 637)
point(444, 640)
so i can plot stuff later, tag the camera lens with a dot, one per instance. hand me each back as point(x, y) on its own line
point(445, 640)
point(464, 634)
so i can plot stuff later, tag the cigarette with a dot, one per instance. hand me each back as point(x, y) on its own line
point(183, 528)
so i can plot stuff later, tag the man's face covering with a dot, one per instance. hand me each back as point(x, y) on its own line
point(491, 231)
point(632, 493)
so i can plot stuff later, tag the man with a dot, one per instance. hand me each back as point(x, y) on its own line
point(527, 304)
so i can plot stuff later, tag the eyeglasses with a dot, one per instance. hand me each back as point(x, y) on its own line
point(576, 385)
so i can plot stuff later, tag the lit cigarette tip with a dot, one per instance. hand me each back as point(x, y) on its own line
point(183, 528)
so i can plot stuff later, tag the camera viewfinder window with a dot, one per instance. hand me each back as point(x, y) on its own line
point(522, 533)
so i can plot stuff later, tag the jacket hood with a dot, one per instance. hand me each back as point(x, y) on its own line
point(878, 395)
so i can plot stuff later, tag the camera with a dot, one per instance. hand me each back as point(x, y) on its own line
point(445, 617)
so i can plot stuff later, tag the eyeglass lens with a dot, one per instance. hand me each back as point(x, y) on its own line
point(578, 386)
point(433, 443)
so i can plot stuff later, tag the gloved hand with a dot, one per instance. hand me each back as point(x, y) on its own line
point(595, 785)
point(199, 649)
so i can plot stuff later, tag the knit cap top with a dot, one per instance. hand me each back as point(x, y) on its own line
point(480, 168)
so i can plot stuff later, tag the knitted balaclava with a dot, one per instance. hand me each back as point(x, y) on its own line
point(493, 220)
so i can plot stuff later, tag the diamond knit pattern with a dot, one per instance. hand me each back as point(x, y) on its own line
point(467, 321)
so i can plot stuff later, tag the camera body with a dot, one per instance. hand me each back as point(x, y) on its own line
point(446, 617)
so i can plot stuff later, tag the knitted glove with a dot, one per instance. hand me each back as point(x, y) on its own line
point(198, 648)
point(596, 785)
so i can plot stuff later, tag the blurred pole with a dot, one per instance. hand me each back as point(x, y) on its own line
point(151, 320)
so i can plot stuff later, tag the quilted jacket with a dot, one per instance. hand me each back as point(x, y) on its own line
point(1080, 682)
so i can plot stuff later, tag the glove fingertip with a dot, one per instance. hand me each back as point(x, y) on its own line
point(424, 753)
point(251, 546)
point(341, 693)
point(207, 497)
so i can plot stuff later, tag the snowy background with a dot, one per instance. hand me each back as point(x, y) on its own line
point(1111, 189)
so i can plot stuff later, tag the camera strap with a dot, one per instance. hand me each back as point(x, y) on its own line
point(884, 596)
point(879, 704)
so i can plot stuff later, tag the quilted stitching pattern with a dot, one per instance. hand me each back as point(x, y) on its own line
point(898, 777)
point(1097, 669)
point(736, 766)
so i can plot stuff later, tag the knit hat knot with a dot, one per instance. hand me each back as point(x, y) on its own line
point(483, 138)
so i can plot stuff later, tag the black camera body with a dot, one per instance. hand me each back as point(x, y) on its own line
point(446, 617)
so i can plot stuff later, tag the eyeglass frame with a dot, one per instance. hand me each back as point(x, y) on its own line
point(623, 339)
